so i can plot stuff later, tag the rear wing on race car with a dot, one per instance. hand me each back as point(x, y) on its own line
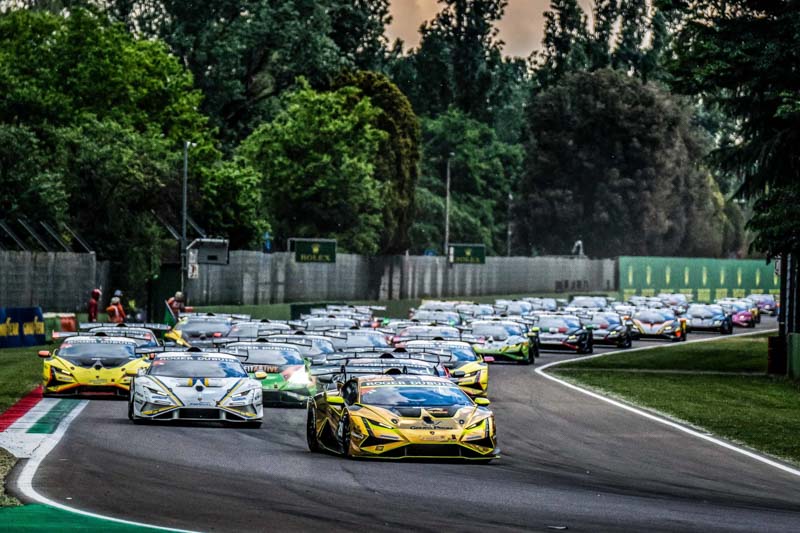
point(154, 326)
point(234, 316)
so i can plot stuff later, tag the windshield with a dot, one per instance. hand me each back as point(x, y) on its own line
point(88, 354)
point(699, 311)
point(497, 331)
point(413, 396)
point(142, 337)
point(605, 321)
point(197, 328)
point(429, 332)
point(559, 323)
point(586, 302)
point(650, 317)
point(279, 357)
point(197, 368)
point(440, 316)
point(315, 323)
point(362, 340)
point(458, 352)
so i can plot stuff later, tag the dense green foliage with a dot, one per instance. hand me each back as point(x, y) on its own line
point(743, 57)
point(614, 162)
point(397, 160)
point(317, 162)
point(483, 171)
point(98, 116)
point(97, 102)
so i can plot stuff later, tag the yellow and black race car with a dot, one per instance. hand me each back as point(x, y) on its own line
point(91, 365)
point(468, 370)
point(401, 416)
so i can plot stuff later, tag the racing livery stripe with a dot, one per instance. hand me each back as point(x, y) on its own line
point(49, 422)
point(19, 409)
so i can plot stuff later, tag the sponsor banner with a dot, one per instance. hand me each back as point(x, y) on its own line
point(314, 251)
point(21, 326)
point(466, 254)
point(705, 279)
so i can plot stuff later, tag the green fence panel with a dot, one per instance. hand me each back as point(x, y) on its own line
point(705, 279)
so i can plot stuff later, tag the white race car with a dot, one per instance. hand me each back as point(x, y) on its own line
point(196, 386)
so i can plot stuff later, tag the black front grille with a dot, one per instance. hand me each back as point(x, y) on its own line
point(432, 450)
point(200, 414)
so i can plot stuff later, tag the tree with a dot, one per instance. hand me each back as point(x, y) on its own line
point(484, 171)
point(358, 27)
point(742, 56)
point(243, 53)
point(458, 60)
point(564, 47)
point(397, 160)
point(316, 159)
point(616, 163)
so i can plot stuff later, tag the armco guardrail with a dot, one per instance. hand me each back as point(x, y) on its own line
point(257, 278)
point(705, 279)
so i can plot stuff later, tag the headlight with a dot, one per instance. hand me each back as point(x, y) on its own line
point(476, 425)
point(243, 397)
point(156, 396)
point(378, 424)
point(612, 333)
point(572, 338)
point(668, 328)
point(299, 378)
point(717, 322)
point(61, 371)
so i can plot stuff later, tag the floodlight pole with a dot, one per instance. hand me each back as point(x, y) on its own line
point(447, 208)
point(183, 211)
point(508, 230)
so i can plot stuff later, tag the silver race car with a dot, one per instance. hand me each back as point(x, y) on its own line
point(196, 386)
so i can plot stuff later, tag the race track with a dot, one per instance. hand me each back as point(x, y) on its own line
point(569, 460)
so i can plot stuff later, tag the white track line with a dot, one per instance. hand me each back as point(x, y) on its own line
point(661, 420)
point(25, 480)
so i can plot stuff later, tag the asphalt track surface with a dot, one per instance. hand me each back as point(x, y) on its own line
point(569, 460)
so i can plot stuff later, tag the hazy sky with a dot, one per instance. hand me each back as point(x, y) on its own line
point(521, 28)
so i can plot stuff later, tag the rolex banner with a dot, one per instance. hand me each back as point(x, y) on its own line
point(314, 251)
point(705, 279)
point(467, 254)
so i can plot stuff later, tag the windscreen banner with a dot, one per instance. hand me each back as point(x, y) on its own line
point(704, 279)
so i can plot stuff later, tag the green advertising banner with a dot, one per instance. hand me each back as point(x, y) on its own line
point(705, 279)
point(314, 250)
point(467, 254)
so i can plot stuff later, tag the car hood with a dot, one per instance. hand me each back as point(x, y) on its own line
point(194, 388)
point(420, 418)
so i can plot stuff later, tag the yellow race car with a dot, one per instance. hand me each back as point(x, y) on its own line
point(468, 369)
point(91, 365)
point(401, 416)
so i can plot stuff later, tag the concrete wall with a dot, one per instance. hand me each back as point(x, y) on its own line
point(256, 278)
point(54, 281)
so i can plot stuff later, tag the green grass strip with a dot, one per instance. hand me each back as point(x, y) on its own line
point(49, 422)
point(727, 354)
point(760, 412)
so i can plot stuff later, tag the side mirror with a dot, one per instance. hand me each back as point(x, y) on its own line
point(44, 354)
point(260, 375)
point(335, 400)
point(483, 402)
point(488, 359)
point(458, 373)
point(131, 372)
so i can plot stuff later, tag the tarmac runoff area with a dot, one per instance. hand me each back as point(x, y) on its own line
point(570, 460)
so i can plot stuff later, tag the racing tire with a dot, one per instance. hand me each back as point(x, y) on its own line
point(528, 360)
point(627, 343)
point(726, 329)
point(344, 422)
point(133, 418)
point(311, 431)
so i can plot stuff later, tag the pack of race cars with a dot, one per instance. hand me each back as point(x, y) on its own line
point(374, 387)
